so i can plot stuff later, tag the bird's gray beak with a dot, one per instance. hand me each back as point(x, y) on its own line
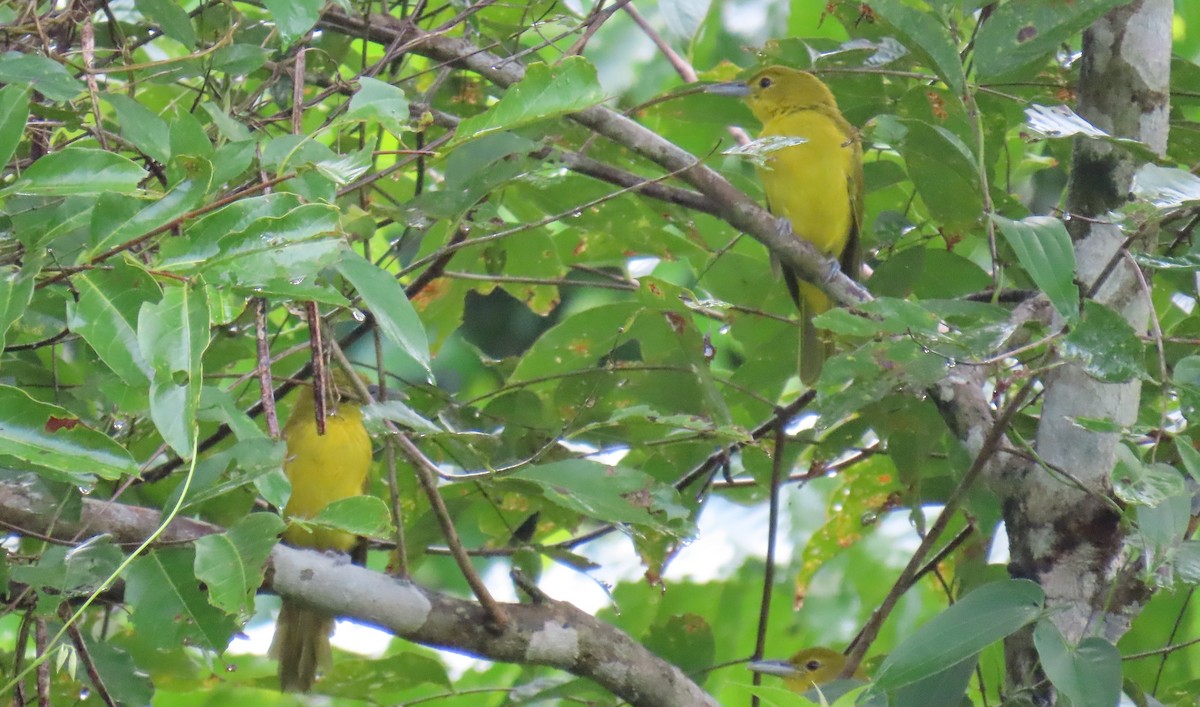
point(772, 667)
point(738, 89)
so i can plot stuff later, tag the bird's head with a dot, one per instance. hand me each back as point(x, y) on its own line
point(807, 668)
point(777, 90)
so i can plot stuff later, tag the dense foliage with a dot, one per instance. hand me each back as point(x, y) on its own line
point(601, 369)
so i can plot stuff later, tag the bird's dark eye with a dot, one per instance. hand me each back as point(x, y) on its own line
point(811, 666)
point(764, 82)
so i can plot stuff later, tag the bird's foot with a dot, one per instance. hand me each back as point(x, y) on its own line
point(784, 227)
point(832, 270)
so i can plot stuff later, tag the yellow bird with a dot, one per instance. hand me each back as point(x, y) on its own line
point(322, 469)
point(811, 667)
point(816, 185)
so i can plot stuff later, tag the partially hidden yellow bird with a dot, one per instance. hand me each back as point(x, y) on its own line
point(322, 469)
point(811, 667)
point(816, 185)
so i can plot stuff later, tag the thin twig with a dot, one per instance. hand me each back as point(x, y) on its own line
point(173, 224)
point(264, 367)
point(764, 607)
point(682, 67)
point(991, 444)
point(41, 644)
point(320, 374)
point(20, 647)
point(85, 657)
point(625, 285)
point(427, 474)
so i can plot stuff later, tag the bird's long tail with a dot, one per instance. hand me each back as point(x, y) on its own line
point(301, 645)
point(811, 301)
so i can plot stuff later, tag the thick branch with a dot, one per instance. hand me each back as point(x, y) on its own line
point(1069, 537)
point(548, 633)
point(727, 201)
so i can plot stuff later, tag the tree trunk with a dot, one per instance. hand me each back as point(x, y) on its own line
point(1068, 538)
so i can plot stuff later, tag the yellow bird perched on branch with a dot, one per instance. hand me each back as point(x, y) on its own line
point(811, 667)
point(322, 469)
point(816, 185)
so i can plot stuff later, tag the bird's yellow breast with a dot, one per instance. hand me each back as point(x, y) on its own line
point(808, 184)
point(323, 469)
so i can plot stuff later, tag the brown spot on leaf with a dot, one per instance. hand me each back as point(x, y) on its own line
point(937, 105)
point(430, 292)
point(1026, 33)
point(639, 499)
point(54, 424)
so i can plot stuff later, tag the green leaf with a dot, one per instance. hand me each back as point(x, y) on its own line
point(1187, 562)
point(1185, 262)
point(390, 306)
point(684, 17)
point(545, 92)
point(608, 493)
point(78, 170)
point(403, 415)
point(1138, 483)
point(231, 563)
point(16, 289)
point(1104, 344)
point(55, 438)
point(344, 169)
point(140, 126)
point(381, 102)
point(686, 640)
point(375, 680)
point(1166, 187)
point(125, 682)
point(928, 37)
point(229, 128)
point(105, 314)
point(367, 516)
point(45, 76)
point(188, 139)
point(943, 170)
point(294, 18)
point(240, 59)
point(1187, 377)
point(173, 335)
point(946, 687)
point(911, 271)
point(75, 571)
point(171, 18)
point(200, 241)
point(168, 607)
point(885, 315)
point(1021, 32)
point(589, 335)
point(14, 113)
point(1060, 122)
point(1087, 674)
point(1043, 247)
point(1189, 456)
point(112, 227)
point(219, 406)
point(1098, 425)
point(979, 619)
point(1161, 527)
point(289, 249)
point(248, 462)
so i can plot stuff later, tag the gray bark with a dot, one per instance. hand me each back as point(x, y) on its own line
point(1068, 538)
point(545, 632)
